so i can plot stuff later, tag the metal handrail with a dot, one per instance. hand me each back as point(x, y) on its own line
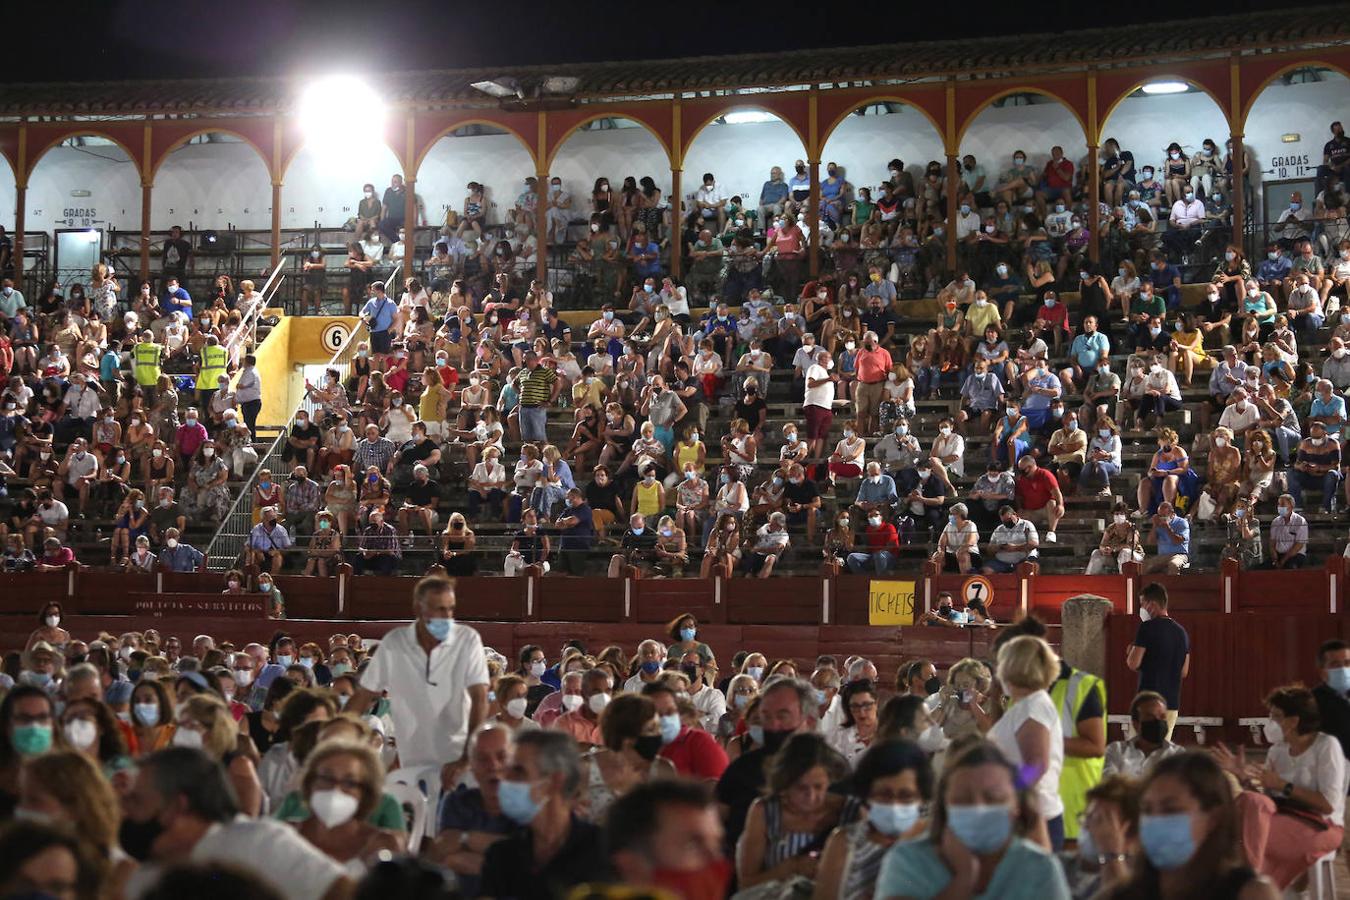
point(231, 536)
point(249, 324)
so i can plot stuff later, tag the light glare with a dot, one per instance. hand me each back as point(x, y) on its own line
point(1166, 87)
point(748, 117)
point(341, 108)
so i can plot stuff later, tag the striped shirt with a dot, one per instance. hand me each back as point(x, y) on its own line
point(536, 386)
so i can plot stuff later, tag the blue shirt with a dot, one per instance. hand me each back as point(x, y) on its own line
point(800, 183)
point(183, 558)
point(179, 300)
point(1088, 348)
point(773, 192)
point(1163, 282)
point(1333, 407)
point(108, 365)
point(464, 811)
point(1167, 546)
point(1026, 872)
point(380, 311)
point(651, 267)
point(883, 492)
point(265, 539)
point(581, 535)
point(1274, 269)
point(1046, 379)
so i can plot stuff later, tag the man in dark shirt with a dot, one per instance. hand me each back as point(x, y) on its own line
point(394, 208)
point(1161, 651)
point(420, 449)
point(1333, 706)
point(602, 495)
point(1166, 279)
point(801, 500)
point(1335, 158)
point(690, 391)
point(1151, 337)
point(787, 707)
point(176, 255)
point(538, 792)
point(303, 442)
point(6, 255)
point(419, 502)
point(578, 533)
point(554, 328)
point(638, 547)
point(471, 818)
point(881, 320)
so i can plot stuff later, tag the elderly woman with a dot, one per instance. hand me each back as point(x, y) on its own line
point(894, 781)
point(784, 828)
point(342, 786)
point(1224, 475)
point(206, 495)
point(204, 722)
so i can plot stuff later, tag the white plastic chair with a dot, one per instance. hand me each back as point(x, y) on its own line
point(1322, 878)
point(413, 804)
point(426, 781)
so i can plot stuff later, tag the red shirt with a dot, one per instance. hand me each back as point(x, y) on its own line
point(872, 366)
point(1035, 490)
point(696, 754)
point(1057, 315)
point(882, 537)
point(1059, 174)
point(449, 375)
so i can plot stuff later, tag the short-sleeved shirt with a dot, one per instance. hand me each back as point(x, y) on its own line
point(696, 754)
point(1166, 646)
point(821, 395)
point(1034, 491)
point(428, 696)
point(1026, 872)
point(536, 386)
point(1035, 707)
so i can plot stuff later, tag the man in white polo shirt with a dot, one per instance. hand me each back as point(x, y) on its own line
point(437, 680)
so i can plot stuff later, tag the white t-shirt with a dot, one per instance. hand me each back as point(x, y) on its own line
point(1236, 420)
point(822, 396)
point(712, 705)
point(265, 848)
point(428, 699)
point(959, 537)
point(1037, 707)
point(1320, 768)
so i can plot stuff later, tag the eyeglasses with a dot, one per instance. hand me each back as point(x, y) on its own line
point(324, 782)
point(862, 707)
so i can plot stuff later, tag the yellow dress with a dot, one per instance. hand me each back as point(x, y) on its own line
point(1194, 345)
point(687, 454)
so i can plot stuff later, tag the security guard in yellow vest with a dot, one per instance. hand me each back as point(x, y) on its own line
point(214, 365)
point(1081, 699)
point(145, 359)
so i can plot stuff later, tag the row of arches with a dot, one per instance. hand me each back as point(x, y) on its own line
point(737, 141)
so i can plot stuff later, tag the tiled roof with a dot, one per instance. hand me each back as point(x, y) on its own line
point(1118, 45)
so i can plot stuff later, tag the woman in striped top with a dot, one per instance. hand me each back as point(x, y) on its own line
point(786, 829)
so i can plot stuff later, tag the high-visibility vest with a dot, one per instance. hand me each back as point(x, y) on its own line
point(213, 366)
point(1079, 773)
point(145, 358)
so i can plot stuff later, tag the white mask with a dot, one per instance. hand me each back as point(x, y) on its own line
point(516, 708)
point(81, 733)
point(1274, 734)
point(598, 702)
point(333, 807)
point(571, 702)
point(1119, 518)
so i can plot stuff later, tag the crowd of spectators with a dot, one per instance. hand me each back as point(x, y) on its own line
point(425, 763)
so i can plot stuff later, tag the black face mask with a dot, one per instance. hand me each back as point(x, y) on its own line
point(647, 746)
point(1154, 730)
point(690, 671)
point(933, 685)
point(137, 838)
point(774, 740)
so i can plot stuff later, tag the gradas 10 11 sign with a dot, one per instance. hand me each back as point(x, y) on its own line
point(1294, 165)
point(890, 602)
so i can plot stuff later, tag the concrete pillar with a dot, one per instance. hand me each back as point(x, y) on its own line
point(1083, 639)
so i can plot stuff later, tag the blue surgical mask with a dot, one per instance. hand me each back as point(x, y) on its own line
point(516, 802)
point(982, 828)
point(439, 628)
point(688, 634)
point(146, 713)
point(757, 734)
point(1339, 679)
point(819, 696)
point(284, 659)
point(1167, 839)
point(651, 667)
point(893, 819)
point(670, 727)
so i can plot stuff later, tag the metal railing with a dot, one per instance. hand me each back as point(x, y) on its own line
point(231, 537)
point(247, 332)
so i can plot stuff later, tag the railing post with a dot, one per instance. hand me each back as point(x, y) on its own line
point(1230, 571)
point(344, 572)
point(1335, 571)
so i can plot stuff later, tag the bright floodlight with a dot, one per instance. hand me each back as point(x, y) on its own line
point(331, 107)
point(1166, 87)
point(748, 117)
